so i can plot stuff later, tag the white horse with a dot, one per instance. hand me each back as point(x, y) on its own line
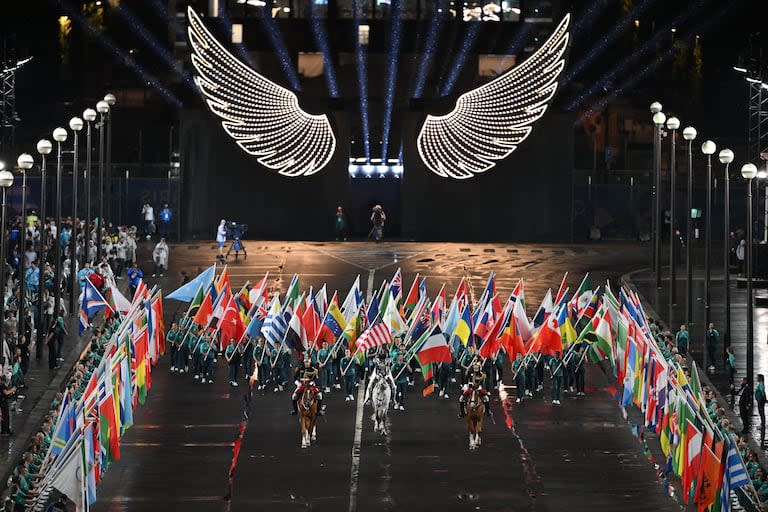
point(382, 395)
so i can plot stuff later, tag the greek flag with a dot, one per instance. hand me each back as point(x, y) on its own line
point(275, 325)
point(735, 469)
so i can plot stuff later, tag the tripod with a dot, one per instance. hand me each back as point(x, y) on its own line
point(238, 246)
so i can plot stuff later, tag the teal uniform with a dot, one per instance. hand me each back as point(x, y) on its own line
point(556, 367)
point(350, 376)
point(325, 370)
point(401, 383)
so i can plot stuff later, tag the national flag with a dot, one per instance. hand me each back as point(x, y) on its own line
point(548, 339)
point(561, 290)
point(274, 325)
point(231, 325)
point(394, 321)
point(462, 293)
point(223, 284)
point(429, 379)
point(141, 293)
point(141, 347)
point(511, 340)
point(490, 286)
point(735, 469)
point(222, 302)
point(545, 309)
point(694, 439)
point(296, 336)
point(197, 301)
point(375, 336)
point(190, 290)
point(158, 328)
point(451, 320)
point(109, 431)
point(68, 477)
point(413, 297)
point(464, 328)
point(396, 287)
point(293, 293)
point(437, 314)
point(353, 329)
point(259, 294)
point(372, 312)
point(518, 294)
point(483, 321)
point(523, 325)
point(709, 479)
point(434, 349)
point(311, 321)
point(353, 300)
point(65, 426)
point(91, 303)
point(492, 339)
point(582, 296)
point(204, 312)
point(118, 301)
point(334, 324)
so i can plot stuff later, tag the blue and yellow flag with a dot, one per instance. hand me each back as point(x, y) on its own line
point(464, 329)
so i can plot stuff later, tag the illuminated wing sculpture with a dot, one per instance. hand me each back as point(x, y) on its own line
point(489, 122)
point(263, 118)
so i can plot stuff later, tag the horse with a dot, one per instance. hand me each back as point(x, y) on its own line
point(475, 412)
point(382, 395)
point(308, 416)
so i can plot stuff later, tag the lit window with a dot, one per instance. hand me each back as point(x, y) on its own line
point(363, 33)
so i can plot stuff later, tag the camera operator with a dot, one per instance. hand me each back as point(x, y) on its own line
point(221, 237)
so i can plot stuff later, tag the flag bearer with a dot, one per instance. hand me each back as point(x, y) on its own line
point(324, 364)
point(401, 382)
point(246, 356)
point(193, 343)
point(470, 355)
point(519, 370)
point(172, 338)
point(349, 364)
point(209, 360)
point(579, 376)
point(530, 376)
point(232, 355)
point(202, 354)
point(556, 370)
point(261, 358)
point(444, 374)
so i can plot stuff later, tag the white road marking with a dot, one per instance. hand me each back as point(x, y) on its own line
point(355, 471)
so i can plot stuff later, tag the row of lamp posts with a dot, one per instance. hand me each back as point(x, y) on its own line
point(24, 163)
point(748, 172)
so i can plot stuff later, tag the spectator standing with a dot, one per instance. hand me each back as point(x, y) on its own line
point(160, 256)
point(681, 338)
point(760, 398)
point(6, 391)
point(713, 340)
point(340, 225)
point(148, 214)
point(165, 221)
point(134, 276)
point(221, 237)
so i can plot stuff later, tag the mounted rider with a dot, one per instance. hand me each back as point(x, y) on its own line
point(307, 375)
point(380, 371)
point(475, 379)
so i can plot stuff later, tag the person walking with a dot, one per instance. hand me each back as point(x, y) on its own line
point(760, 398)
point(681, 338)
point(745, 404)
point(400, 370)
point(377, 218)
point(160, 257)
point(556, 370)
point(713, 340)
point(730, 367)
point(340, 224)
point(349, 368)
point(6, 391)
point(518, 367)
point(148, 214)
point(165, 221)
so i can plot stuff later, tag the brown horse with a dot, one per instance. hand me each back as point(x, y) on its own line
point(475, 412)
point(307, 416)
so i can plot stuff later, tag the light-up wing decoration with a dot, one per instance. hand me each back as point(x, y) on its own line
point(262, 117)
point(489, 122)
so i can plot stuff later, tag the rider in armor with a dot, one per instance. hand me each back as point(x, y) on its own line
point(306, 375)
point(475, 379)
point(380, 371)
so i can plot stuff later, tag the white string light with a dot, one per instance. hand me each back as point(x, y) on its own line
point(489, 122)
point(263, 118)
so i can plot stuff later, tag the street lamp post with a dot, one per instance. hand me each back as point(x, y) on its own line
point(44, 147)
point(689, 134)
point(673, 124)
point(726, 157)
point(111, 100)
point(24, 163)
point(708, 148)
point(103, 108)
point(59, 135)
point(6, 180)
point(658, 122)
point(75, 124)
point(748, 172)
point(89, 115)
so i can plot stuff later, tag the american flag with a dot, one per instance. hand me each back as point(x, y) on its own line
point(375, 336)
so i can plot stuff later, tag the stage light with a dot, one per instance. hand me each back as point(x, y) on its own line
point(740, 70)
point(283, 55)
point(428, 52)
point(263, 118)
point(467, 44)
point(321, 41)
point(362, 78)
point(490, 121)
point(393, 58)
point(162, 10)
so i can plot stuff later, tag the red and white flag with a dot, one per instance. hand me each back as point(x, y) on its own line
point(375, 336)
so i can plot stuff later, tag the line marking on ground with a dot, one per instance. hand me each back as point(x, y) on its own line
point(355, 470)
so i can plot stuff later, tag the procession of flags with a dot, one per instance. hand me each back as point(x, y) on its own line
point(86, 438)
point(592, 324)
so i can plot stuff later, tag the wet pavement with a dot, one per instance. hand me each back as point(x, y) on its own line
point(581, 455)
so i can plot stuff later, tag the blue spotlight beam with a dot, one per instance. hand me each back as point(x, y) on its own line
point(362, 81)
point(127, 58)
point(393, 58)
point(141, 30)
point(321, 41)
point(521, 36)
point(278, 44)
point(470, 37)
point(586, 19)
point(656, 62)
point(430, 46)
point(607, 40)
point(170, 20)
point(242, 51)
point(644, 49)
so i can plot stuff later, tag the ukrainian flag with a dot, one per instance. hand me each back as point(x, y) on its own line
point(464, 329)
